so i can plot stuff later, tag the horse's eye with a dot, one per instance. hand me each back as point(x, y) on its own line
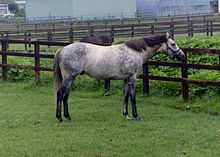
point(173, 44)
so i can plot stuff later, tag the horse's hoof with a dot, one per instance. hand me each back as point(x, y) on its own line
point(127, 117)
point(68, 118)
point(139, 119)
point(60, 119)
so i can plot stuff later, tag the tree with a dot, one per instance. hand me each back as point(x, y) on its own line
point(21, 13)
point(13, 7)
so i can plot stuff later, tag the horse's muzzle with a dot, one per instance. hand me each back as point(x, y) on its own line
point(180, 56)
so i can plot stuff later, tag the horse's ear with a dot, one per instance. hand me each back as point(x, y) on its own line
point(167, 35)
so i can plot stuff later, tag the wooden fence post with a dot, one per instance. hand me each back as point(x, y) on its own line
point(146, 86)
point(25, 38)
point(152, 29)
point(29, 38)
point(132, 31)
point(91, 31)
point(107, 85)
point(207, 28)
point(4, 60)
point(189, 27)
point(185, 84)
point(172, 28)
point(37, 62)
point(49, 37)
point(113, 33)
point(71, 35)
point(211, 29)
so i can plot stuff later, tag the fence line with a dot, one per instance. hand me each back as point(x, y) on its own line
point(145, 76)
point(73, 31)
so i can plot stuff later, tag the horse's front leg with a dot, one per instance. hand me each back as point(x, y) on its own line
point(126, 97)
point(132, 94)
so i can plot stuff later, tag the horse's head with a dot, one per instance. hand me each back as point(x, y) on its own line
point(172, 49)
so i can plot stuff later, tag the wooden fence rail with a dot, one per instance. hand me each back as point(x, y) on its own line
point(184, 65)
point(72, 31)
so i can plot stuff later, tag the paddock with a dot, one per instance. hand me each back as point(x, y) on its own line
point(173, 125)
point(28, 126)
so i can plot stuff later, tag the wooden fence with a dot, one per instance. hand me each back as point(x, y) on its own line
point(184, 80)
point(70, 31)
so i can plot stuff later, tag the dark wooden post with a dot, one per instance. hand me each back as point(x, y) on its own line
point(4, 60)
point(132, 31)
point(49, 37)
point(172, 28)
point(189, 28)
point(207, 28)
point(106, 27)
point(185, 84)
point(211, 29)
point(53, 25)
point(107, 85)
point(112, 33)
point(25, 38)
point(152, 29)
point(91, 31)
point(29, 39)
point(18, 28)
point(146, 86)
point(37, 62)
point(71, 34)
point(139, 21)
point(205, 25)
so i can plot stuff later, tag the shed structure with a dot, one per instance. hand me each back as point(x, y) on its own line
point(84, 9)
point(158, 8)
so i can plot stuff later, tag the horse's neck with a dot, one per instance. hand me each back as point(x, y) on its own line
point(151, 51)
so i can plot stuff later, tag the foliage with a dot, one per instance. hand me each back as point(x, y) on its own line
point(209, 42)
point(174, 88)
point(20, 13)
point(167, 88)
point(13, 7)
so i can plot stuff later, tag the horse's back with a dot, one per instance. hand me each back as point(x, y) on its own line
point(99, 61)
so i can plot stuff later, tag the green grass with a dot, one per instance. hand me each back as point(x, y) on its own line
point(28, 126)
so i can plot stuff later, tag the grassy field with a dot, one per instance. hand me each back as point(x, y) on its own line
point(28, 127)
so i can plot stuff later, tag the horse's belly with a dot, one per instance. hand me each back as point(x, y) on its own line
point(103, 71)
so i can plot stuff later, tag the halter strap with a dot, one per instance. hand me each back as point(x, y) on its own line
point(173, 51)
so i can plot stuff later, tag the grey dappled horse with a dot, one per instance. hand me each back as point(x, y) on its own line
point(121, 62)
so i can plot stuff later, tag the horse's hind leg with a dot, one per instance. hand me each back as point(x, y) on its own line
point(63, 95)
point(59, 104)
point(65, 107)
point(65, 100)
point(126, 97)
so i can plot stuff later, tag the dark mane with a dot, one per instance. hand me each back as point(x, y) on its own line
point(140, 44)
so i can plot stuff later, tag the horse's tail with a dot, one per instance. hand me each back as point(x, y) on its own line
point(57, 76)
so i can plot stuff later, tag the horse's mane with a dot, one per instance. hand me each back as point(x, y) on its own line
point(140, 44)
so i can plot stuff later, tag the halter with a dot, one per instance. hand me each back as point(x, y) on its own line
point(173, 51)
